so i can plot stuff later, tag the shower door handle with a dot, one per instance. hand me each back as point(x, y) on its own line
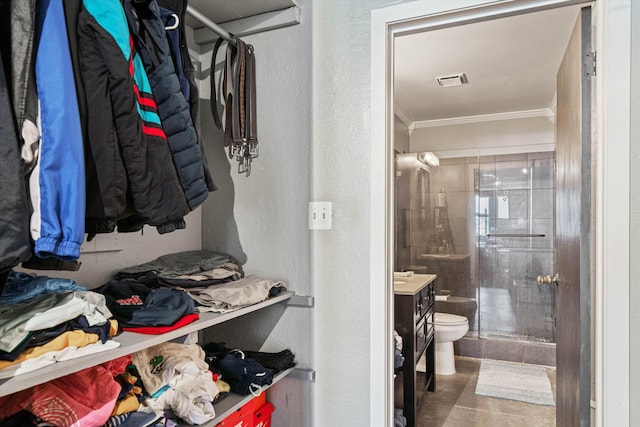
point(515, 235)
point(548, 280)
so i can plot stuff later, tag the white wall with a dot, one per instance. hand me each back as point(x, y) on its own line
point(400, 136)
point(495, 134)
point(262, 219)
point(341, 174)
point(634, 300)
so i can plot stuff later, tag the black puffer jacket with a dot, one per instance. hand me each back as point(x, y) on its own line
point(149, 36)
point(179, 7)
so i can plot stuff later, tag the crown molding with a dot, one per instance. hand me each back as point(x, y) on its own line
point(404, 118)
point(553, 108)
point(512, 115)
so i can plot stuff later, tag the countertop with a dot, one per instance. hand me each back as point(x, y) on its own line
point(411, 285)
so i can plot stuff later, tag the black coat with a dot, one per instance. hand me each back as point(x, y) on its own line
point(179, 7)
point(15, 243)
point(127, 153)
point(148, 31)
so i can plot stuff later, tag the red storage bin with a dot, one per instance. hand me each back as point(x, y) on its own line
point(244, 417)
point(262, 417)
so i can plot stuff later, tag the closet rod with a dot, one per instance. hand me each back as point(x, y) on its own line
point(211, 25)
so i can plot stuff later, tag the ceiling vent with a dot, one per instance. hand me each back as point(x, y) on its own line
point(452, 80)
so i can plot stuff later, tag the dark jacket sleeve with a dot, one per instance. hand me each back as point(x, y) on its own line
point(15, 244)
point(106, 176)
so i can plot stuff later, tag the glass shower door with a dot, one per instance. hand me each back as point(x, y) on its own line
point(514, 210)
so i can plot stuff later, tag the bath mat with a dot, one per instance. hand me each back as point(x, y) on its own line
point(515, 381)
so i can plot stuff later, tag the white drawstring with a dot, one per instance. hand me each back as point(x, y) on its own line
point(258, 389)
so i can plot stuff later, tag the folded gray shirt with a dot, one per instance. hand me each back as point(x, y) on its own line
point(182, 263)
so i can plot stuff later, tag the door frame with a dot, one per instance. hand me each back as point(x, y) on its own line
point(611, 267)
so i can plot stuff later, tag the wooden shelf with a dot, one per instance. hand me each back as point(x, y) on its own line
point(233, 402)
point(130, 342)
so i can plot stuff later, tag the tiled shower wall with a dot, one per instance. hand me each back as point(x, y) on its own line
point(502, 270)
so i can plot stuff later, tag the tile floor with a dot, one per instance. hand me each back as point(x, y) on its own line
point(455, 404)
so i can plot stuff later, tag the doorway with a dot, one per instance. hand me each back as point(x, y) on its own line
point(413, 29)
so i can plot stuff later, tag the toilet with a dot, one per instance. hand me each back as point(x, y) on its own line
point(448, 328)
point(462, 306)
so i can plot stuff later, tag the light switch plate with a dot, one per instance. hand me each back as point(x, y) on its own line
point(319, 215)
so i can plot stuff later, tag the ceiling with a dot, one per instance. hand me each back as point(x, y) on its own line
point(510, 64)
point(221, 11)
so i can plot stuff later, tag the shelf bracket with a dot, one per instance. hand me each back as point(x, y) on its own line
point(301, 301)
point(305, 374)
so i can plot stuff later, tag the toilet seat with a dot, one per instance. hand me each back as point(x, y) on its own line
point(444, 319)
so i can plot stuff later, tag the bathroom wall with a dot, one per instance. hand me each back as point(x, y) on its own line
point(494, 137)
point(414, 213)
point(401, 140)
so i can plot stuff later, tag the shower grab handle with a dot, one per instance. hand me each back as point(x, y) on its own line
point(516, 235)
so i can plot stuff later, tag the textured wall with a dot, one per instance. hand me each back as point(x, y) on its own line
point(634, 300)
point(262, 219)
point(341, 173)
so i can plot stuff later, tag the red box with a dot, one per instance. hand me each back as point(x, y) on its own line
point(244, 417)
point(262, 417)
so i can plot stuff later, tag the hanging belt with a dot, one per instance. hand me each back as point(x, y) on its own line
point(239, 94)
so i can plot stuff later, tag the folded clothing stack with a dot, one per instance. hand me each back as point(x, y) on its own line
point(185, 269)
point(50, 320)
point(247, 371)
point(215, 281)
point(144, 310)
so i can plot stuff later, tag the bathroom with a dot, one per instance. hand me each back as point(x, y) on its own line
point(475, 168)
point(474, 177)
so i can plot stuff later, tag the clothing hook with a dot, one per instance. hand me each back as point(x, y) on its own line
point(176, 23)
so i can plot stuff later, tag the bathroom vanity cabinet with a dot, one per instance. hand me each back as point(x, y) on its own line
point(414, 307)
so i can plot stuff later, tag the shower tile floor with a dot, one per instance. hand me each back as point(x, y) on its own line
point(455, 404)
point(502, 315)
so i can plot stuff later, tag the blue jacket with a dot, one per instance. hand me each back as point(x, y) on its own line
point(57, 182)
